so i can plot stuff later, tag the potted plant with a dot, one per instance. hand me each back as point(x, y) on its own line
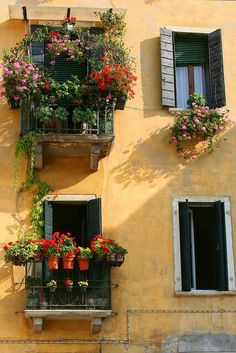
point(67, 248)
point(69, 284)
point(83, 256)
point(83, 285)
point(116, 256)
point(52, 285)
point(69, 23)
point(52, 249)
point(101, 247)
point(22, 250)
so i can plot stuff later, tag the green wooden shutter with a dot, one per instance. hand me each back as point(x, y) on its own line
point(96, 30)
point(185, 246)
point(63, 70)
point(94, 219)
point(48, 230)
point(37, 49)
point(191, 49)
point(220, 243)
point(216, 70)
point(167, 68)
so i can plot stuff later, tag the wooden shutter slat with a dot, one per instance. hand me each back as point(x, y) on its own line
point(220, 243)
point(216, 70)
point(167, 68)
point(185, 246)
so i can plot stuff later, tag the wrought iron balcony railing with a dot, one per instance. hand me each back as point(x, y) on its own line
point(102, 122)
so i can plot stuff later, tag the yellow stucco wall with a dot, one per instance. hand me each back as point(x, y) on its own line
point(137, 182)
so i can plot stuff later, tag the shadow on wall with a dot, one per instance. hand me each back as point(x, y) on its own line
point(150, 2)
point(148, 160)
point(150, 76)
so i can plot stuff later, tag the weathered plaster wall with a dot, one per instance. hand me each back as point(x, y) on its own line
point(136, 182)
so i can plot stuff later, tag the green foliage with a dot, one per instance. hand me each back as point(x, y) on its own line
point(25, 147)
point(198, 99)
point(85, 252)
point(85, 116)
point(60, 114)
point(31, 281)
point(113, 23)
point(37, 211)
point(44, 113)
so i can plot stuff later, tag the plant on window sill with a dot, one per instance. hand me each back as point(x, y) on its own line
point(198, 124)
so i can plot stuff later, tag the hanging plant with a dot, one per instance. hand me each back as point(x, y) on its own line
point(199, 124)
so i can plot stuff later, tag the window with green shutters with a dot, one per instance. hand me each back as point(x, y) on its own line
point(203, 244)
point(83, 219)
point(191, 62)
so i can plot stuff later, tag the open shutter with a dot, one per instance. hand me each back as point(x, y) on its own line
point(216, 70)
point(185, 246)
point(94, 219)
point(48, 230)
point(220, 238)
point(167, 68)
point(37, 49)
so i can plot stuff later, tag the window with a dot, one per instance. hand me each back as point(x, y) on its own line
point(82, 218)
point(203, 244)
point(191, 62)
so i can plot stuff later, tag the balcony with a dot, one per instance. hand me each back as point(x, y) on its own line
point(68, 138)
point(87, 302)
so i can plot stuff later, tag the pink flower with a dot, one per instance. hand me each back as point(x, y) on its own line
point(52, 62)
point(196, 121)
point(23, 88)
point(35, 76)
point(199, 114)
point(203, 128)
point(185, 117)
point(183, 127)
point(16, 98)
point(17, 65)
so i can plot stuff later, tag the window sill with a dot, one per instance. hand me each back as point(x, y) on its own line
point(205, 293)
point(173, 111)
point(95, 316)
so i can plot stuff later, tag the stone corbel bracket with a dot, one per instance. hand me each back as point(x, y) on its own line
point(96, 317)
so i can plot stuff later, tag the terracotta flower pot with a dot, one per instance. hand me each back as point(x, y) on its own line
point(68, 262)
point(53, 262)
point(83, 263)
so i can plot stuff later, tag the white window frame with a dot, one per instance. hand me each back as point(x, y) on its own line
point(229, 243)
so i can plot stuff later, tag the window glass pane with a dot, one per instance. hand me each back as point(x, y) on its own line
point(182, 89)
point(199, 80)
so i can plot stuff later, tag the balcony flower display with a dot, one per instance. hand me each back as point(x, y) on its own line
point(67, 246)
point(196, 125)
point(111, 67)
point(52, 285)
point(22, 250)
point(108, 249)
point(69, 23)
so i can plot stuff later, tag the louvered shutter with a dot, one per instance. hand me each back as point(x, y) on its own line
point(37, 49)
point(63, 69)
point(94, 219)
point(185, 246)
point(48, 231)
point(191, 49)
point(167, 68)
point(220, 243)
point(216, 70)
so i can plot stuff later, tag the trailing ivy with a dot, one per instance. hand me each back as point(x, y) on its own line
point(25, 147)
point(37, 211)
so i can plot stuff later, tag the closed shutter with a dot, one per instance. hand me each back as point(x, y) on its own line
point(48, 231)
point(94, 219)
point(63, 70)
point(185, 246)
point(191, 49)
point(167, 68)
point(216, 70)
point(220, 243)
